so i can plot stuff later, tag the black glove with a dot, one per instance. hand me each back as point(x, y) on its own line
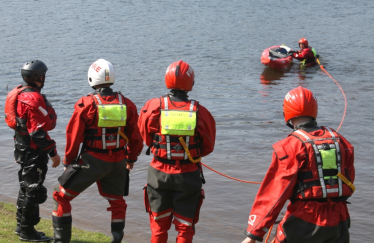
point(290, 53)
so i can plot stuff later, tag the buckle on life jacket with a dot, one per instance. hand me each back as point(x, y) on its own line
point(325, 146)
point(148, 152)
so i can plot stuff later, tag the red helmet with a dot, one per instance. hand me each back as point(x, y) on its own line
point(299, 102)
point(179, 75)
point(304, 41)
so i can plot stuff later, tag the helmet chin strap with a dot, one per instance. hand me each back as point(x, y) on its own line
point(41, 82)
point(290, 125)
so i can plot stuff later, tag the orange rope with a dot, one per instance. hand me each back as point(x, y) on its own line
point(267, 237)
point(252, 182)
point(345, 109)
point(345, 99)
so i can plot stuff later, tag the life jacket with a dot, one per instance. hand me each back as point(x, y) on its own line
point(310, 61)
point(11, 106)
point(107, 133)
point(17, 123)
point(326, 158)
point(176, 122)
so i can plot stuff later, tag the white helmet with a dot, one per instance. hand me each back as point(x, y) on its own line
point(101, 72)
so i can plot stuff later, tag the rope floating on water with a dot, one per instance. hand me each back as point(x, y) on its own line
point(345, 99)
point(251, 182)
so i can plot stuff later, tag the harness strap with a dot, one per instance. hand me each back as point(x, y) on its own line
point(172, 161)
point(302, 176)
point(301, 186)
point(334, 199)
point(96, 138)
point(317, 155)
point(94, 131)
point(173, 139)
point(163, 146)
point(338, 160)
point(102, 150)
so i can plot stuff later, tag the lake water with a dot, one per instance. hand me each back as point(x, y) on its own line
point(223, 42)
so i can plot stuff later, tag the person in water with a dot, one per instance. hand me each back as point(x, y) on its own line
point(313, 168)
point(105, 123)
point(30, 114)
point(179, 131)
point(307, 55)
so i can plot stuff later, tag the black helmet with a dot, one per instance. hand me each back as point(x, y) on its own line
point(34, 71)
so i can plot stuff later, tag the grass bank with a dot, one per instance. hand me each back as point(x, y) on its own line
point(8, 224)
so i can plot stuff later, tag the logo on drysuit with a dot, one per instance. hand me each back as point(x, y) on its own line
point(252, 219)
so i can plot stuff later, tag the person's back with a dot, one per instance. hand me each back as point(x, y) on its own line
point(105, 123)
point(313, 168)
point(30, 114)
point(178, 132)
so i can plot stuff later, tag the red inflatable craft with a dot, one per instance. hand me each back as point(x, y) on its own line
point(277, 57)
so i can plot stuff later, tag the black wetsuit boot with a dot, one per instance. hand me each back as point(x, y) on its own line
point(117, 232)
point(17, 231)
point(28, 233)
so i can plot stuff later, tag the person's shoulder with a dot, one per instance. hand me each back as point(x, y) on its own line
point(84, 101)
point(345, 142)
point(286, 142)
point(33, 99)
point(129, 102)
point(284, 147)
point(154, 102)
point(130, 105)
point(202, 108)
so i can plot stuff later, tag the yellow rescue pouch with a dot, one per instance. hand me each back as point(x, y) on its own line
point(178, 122)
point(112, 115)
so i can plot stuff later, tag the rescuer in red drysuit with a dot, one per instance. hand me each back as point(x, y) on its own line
point(106, 123)
point(304, 169)
point(174, 184)
point(32, 116)
point(306, 55)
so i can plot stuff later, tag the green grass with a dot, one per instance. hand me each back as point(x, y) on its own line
point(8, 224)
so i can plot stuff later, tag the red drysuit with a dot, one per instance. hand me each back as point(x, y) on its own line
point(174, 185)
point(308, 216)
point(306, 54)
point(103, 163)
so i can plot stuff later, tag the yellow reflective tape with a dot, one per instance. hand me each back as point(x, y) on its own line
point(188, 152)
point(346, 181)
point(124, 136)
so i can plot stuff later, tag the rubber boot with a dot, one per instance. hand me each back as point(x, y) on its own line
point(117, 232)
point(28, 233)
point(17, 231)
point(62, 233)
